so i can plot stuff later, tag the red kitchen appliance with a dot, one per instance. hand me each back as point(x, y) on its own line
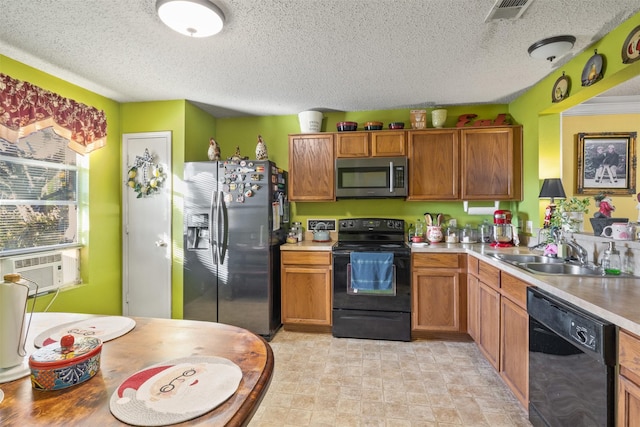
point(502, 229)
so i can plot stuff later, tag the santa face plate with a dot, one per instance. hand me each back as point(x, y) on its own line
point(175, 391)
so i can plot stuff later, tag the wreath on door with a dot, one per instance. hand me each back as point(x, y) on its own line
point(145, 176)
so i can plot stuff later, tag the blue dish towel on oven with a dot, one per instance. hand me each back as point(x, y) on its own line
point(372, 271)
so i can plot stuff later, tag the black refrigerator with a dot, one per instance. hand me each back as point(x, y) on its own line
point(235, 217)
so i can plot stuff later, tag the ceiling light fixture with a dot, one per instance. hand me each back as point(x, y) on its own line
point(194, 18)
point(552, 47)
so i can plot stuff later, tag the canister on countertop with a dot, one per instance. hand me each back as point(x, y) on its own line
point(419, 230)
point(66, 363)
point(469, 234)
point(485, 232)
point(452, 234)
point(297, 231)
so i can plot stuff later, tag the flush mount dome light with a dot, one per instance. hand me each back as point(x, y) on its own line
point(552, 47)
point(195, 18)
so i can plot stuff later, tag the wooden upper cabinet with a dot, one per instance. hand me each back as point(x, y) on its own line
point(433, 164)
point(311, 167)
point(370, 144)
point(352, 144)
point(491, 163)
point(388, 144)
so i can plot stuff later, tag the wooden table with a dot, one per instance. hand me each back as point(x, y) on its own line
point(150, 342)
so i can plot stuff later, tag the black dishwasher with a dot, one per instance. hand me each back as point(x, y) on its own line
point(572, 356)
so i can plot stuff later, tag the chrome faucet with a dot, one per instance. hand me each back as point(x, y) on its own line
point(577, 252)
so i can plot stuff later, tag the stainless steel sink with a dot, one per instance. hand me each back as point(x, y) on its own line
point(540, 264)
point(560, 269)
point(520, 258)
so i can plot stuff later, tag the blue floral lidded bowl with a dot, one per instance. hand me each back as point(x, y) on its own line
point(65, 364)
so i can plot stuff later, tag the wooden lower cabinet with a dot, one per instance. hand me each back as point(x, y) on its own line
point(628, 411)
point(514, 336)
point(473, 289)
point(438, 293)
point(487, 317)
point(498, 322)
point(306, 290)
point(489, 323)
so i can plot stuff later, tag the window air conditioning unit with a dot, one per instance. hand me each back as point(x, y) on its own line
point(50, 270)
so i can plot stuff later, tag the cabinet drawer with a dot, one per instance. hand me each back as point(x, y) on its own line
point(435, 260)
point(489, 274)
point(514, 289)
point(306, 257)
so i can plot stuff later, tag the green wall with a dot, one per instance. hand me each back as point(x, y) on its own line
point(541, 118)
point(100, 257)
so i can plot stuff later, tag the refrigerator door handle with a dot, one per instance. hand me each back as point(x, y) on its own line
point(221, 228)
point(212, 244)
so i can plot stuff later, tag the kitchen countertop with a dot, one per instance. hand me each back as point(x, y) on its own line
point(309, 245)
point(616, 299)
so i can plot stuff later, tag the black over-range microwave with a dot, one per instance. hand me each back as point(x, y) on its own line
point(371, 177)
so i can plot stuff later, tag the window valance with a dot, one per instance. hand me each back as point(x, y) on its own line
point(26, 108)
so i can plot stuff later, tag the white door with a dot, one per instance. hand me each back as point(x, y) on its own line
point(146, 225)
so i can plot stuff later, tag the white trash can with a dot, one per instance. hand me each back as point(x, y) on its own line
point(310, 121)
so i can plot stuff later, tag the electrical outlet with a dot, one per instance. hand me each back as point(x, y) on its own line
point(330, 223)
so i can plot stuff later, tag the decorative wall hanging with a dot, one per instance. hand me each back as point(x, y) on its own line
point(26, 108)
point(145, 176)
point(592, 71)
point(560, 89)
point(631, 47)
point(606, 163)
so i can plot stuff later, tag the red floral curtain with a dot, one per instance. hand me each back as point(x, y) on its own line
point(26, 108)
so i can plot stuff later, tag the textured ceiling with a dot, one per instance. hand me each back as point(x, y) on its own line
point(277, 57)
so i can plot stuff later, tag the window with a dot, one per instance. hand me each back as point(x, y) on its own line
point(38, 193)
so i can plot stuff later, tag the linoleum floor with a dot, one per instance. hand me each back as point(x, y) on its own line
point(320, 380)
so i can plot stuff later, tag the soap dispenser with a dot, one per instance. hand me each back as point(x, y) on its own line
point(611, 263)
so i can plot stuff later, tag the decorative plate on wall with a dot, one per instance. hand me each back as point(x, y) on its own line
point(592, 70)
point(560, 89)
point(631, 47)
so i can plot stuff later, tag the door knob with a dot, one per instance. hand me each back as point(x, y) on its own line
point(161, 243)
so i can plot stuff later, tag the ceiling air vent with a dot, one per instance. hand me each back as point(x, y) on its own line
point(507, 9)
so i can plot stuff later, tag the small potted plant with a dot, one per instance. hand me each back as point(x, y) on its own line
point(569, 214)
